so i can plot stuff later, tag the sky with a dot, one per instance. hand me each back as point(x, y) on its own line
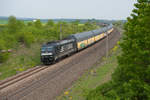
point(78, 9)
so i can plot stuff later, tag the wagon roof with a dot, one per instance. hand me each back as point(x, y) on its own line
point(83, 35)
point(88, 34)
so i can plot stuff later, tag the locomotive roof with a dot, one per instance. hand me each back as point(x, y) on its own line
point(59, 42)
point(66, 41)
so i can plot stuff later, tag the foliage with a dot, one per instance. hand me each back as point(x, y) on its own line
point(30, 24)
point(17, 35)
point(25, 37)
point(38, 24)
point(50, 23)
point(131, 80)
point(3, 57)
point(14, 25)
point(119, 23)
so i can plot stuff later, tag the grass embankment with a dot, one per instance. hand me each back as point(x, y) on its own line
point(22, 59)
point(97, 75)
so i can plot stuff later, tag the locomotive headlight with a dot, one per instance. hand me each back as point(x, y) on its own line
point(44, 54)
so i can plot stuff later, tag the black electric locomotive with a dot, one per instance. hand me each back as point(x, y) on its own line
point(53, 51)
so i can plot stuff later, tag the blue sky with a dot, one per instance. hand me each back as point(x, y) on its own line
point(85, 9)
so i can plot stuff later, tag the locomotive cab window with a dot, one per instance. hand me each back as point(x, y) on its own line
point(50, 49)
point(47, 49)
point(43, 49)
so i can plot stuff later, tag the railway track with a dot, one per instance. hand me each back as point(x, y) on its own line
point(21, 76)
point(53, 79)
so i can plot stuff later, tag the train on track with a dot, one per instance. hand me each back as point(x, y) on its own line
point(55, 50)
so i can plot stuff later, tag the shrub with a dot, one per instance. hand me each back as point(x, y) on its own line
point(2, 44)
point(4, 56)
point(26, 38)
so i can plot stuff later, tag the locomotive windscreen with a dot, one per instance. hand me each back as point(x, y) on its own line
point(47, 49)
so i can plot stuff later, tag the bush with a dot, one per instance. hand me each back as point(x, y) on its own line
point(3, 57)
point(103, 92)
point(26, 38)
point(2, 44)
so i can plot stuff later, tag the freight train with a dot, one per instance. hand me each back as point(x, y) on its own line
point(55, 50)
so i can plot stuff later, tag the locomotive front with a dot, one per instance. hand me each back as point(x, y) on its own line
point(47, 54)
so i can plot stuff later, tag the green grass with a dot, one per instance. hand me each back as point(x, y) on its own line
point(25, 21)
point(3, 21)
point(99, 74)
point(81, 24)
point(21, 60)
